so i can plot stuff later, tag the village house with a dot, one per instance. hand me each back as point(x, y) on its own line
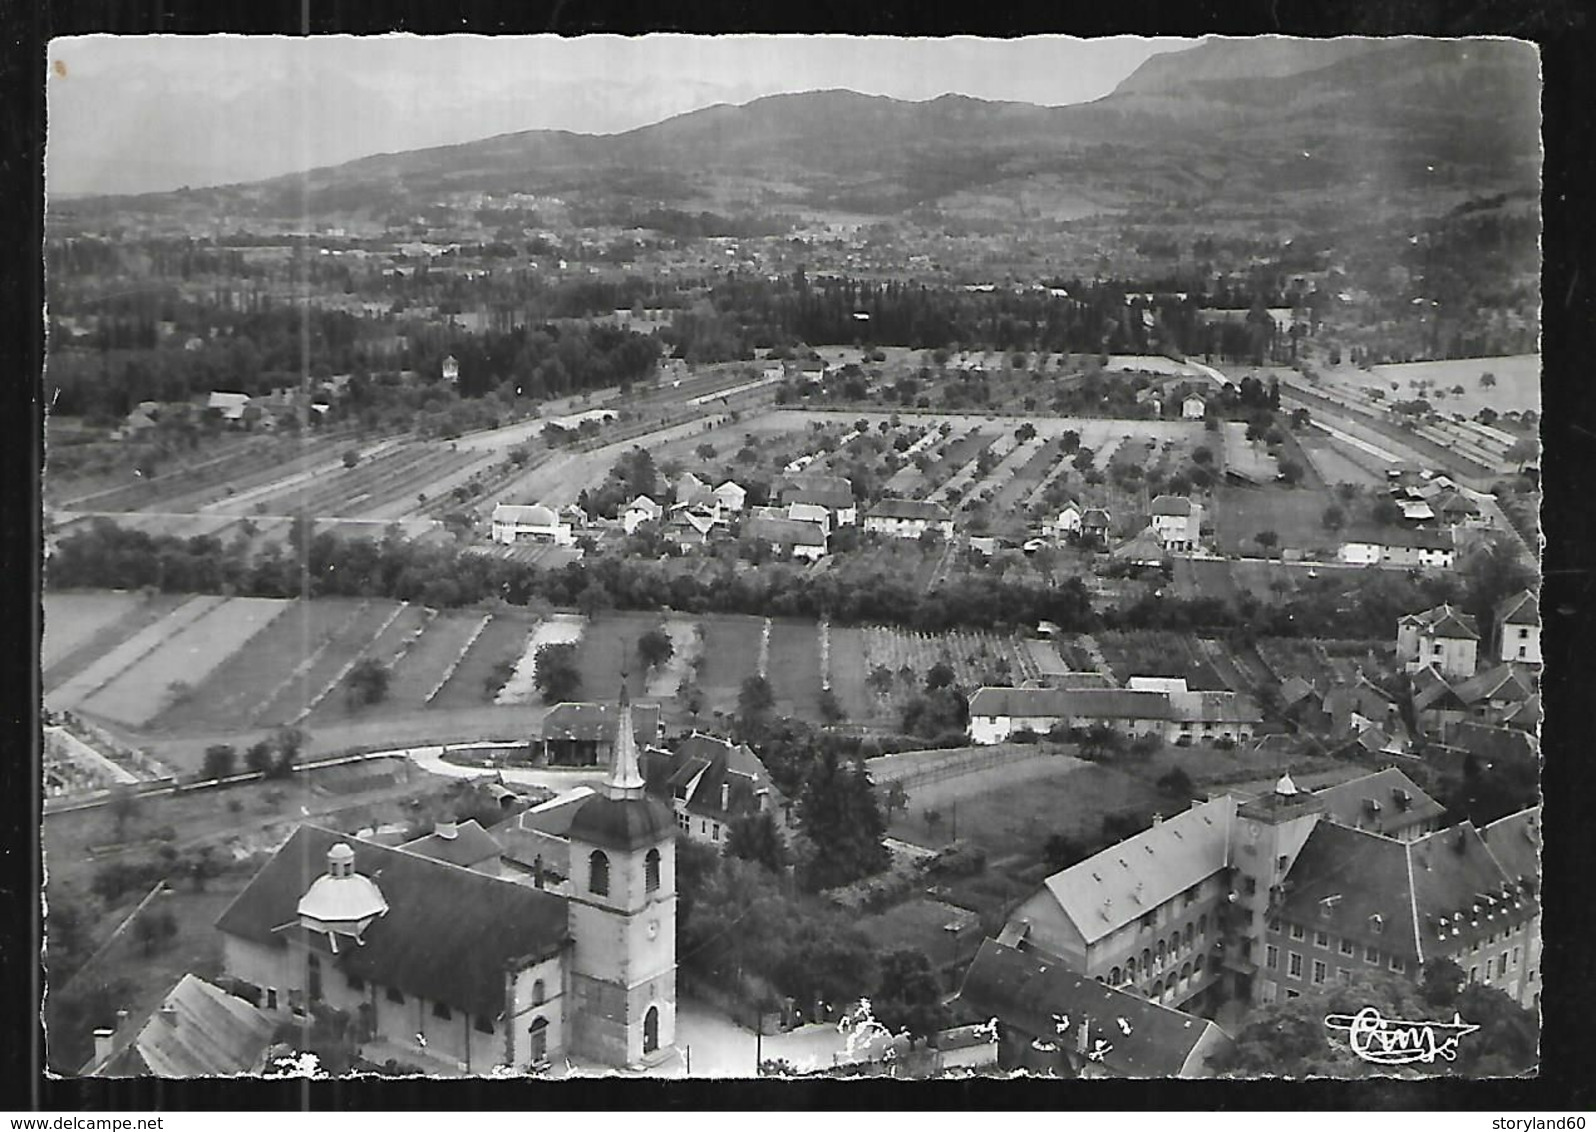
point(199, 1030)
point(690, 489)
point(1443, 638)
point(1053, 1021)
point(1518, 629)
point(1437, 707)
point(690, 527)
point(458, 971)
point(731, 496)
point(639, 511)
point(1496, 692)
point(513, 523)
point(1068, 521)
point(1175, 716)
point(908, 518)
point(1144, 549)
point(1193, 408)
point(710, 783)
point(451, 370)
point(1095, 524)
point(1398, 546)
point(812, 513)
point(228, 406)
point(834, 493)
point(786, 536)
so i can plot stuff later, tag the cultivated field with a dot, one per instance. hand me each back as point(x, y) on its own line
point(71, 693)
point(183, 660)
point(1517, 387)
point(72, 620)
point(557, 629)
point(502, 641)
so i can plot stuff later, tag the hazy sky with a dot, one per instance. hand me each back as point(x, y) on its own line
point(146, 113)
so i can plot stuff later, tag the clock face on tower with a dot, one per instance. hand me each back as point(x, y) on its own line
point(653, 928)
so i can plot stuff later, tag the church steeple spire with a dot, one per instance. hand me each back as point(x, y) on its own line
point(626, 777)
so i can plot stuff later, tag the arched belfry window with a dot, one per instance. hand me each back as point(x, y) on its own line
point(651, 1030)
point(598, 873)
point(651, 871)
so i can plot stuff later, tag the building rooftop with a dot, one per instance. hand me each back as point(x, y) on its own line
point(596, 722)
point(525, 515)
point(909, 509)
point(1171, 505)
point(199, 1030)
point(1444, 621)
point(1130, 1035)
point(1384, 802)
point(1098, 703)
point(1126, 881)
point(1522, 608)
point(463, 843)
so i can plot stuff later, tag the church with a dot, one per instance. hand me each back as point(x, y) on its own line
point(452, 968)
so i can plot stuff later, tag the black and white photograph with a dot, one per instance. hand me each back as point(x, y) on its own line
point(791, 557)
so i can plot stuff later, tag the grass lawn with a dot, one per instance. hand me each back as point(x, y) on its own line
point(357, 635)
point(1293, 513)
point(794, 668)
point(72, 620)
point(848, 671)
point(731, 651)
point(429, 658)
point(609, 645)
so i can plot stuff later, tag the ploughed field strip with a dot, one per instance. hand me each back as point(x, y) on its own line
point(183, 660)
point(72, 620)
point(70, 694)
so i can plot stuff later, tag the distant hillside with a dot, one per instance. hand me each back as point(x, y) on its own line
point(1265, 122)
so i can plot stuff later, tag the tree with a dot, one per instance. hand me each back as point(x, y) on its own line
point(351, 457)
point(1333, 519)
point(909, 998)
point(1290, 473)
point(880, 679)
point(755, 699)
point(1060, 851)
point(1202, 457)
point(556, 675)
point(1176, 783)
point(1266, 540)
point(840, 818)
point(939, 675)
point(1487, 380)
point(125, 806)
point(287, 743)
point(897, 799)
point(368, 681)
point(220, 760)
point(655, 648)
point(1100, 740)
point(1522, 452)
point(1385, 512)
point(831, 709)
point(154, 928)
point(754, 837)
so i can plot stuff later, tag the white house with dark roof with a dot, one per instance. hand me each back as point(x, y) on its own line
point(710, 783)
point(1398, 546)
point(1518, 629)
point(909, 518)
point(997, 714)
point(639, 511)
point(834, 493)
point(1443, 638)
point(1193, 407)
point(1177, 521)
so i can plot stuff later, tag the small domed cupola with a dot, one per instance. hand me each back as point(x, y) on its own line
point(341, 901)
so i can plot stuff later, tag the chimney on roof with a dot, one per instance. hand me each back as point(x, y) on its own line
point(448, 830)
point(121, 1020)
point(762, 799)
point(169, 1014)
point(1158, 819)
point(104, 1037)
point(1083, 1041)
point(725, 796)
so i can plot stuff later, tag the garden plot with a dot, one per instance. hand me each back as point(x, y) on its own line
point(1013, 455)
point(664, 683)
point(101, 672)
point(731, 655)
point(502, 639)
point(793, 667)
point(556, 629)
point(1336, 463)
point(1025, 479)
point(313, 678)
point(1159, 654)
point(427, 662)
point(964, 479)
point(408, 624)
point(73, 619)
point(170, 671)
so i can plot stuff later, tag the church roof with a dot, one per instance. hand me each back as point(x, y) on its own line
point(469, 845)
point(449, 934)
point(623, 824)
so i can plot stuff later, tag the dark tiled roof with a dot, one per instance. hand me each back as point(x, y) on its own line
point(909, 509)
point(1504, 682)
point(1417, 537)
point(1385, 801)
point(1515, 842)
point(705, 762)
point(1034, 996)
point(449, 934)
point(787, 532)
point(1347, 880)
point(470, 845)
point(834, 492)
point(596, 722)
point(621, 823)
point(1493, 743)
point(1094, 703)
point(1430, 690)
point(1444, 621)
point(1171, 505)
point(1520, 609)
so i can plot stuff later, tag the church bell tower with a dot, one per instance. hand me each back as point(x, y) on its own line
point(623, 914)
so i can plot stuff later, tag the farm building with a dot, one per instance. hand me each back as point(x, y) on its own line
point(1142, 549)
point(834, 493)
point(583, 734)
point(996, 714)
point(1068, 521)
point(908, 518)
point(451, 370)
point(1443, 638)
point(1177, 521)
point(460, 971)
point(1111, 1033)
point(1095, 523)
point(199, 1030)
point(711, 783)
point(690, 489)
point(513, 523)
point(1518, 629)
point(1496, 692)
point(690, 528)
point(811, 513)
point(1436, 705)
point(1193, 408)
point(1398, 546)
point(786, 536)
